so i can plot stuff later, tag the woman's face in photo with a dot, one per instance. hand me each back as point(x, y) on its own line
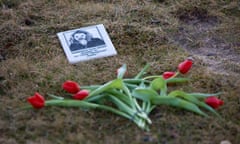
point(80, 36)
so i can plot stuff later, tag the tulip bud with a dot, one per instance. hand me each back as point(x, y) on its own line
point(81, 95)
point(71, 86)
point(37, 101)
point(214, 102)
point(185, 66)
point(121, 71)
point(167, 75)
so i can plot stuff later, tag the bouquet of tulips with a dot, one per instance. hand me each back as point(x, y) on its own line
point(133, 98)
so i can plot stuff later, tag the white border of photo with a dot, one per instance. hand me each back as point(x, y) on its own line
point(96, 50)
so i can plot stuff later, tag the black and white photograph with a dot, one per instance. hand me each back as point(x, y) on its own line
point(86, 43)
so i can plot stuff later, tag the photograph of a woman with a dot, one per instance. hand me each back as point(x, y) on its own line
point(82, 39)
point(86, 43)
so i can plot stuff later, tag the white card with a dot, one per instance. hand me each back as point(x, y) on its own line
point(86, 43)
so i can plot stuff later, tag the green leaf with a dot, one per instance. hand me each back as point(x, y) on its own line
point(131, 86)
point(96, 98)
point(144, 94)
point(117, 83)
point(91, 87)
point(84, 104)
point(159, 84)
point(147, 106)
point(56, 97)
point(203, 95)
point(177, 102)
point(121, 71)
point(177, 80)
point(135, 81)
point(70, 103)
point(133, 101)
point(121, 96)
point(121, 105)
point(204, 105)
point(178, 93)
point(192, 99)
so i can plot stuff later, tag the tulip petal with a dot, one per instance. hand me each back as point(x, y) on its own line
point(37, 101)
point(71, 86)
point(185, 66)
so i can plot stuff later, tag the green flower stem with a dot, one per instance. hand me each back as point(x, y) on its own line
point(142, 123)
point(163, 91)
point(141, 113)
point(142, 72)
point(204, 95)
point(91, 87)
point(126, 90)
point(96, 98)
point(157, 76)
point(117, 83)
point(136, 105)
point(84, 104)
point(176, 74)
point(135, 81)
point(177, 80)
point(124, 98)
point(55, 97)
point(151, 77)
point(136, 115)
point(131, 86)
point(122, 105)
point(146, 107)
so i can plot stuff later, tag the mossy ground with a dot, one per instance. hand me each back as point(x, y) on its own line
point(162, 33)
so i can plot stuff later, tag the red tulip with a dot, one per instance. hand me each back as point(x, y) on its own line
point(37, 101)
point(81, 95)
point(167, 75)
point(71, 86)
point(185, 66)
point(214, 102)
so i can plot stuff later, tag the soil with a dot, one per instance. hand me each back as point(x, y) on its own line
point(197, 34)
